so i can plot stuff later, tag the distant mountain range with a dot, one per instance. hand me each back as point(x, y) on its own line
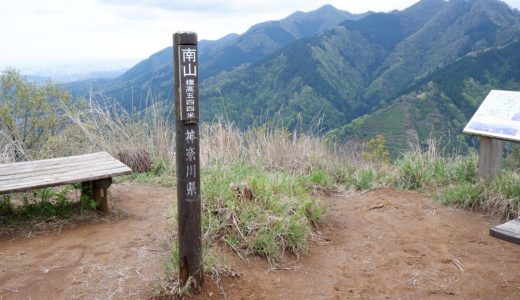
point(64, 77)
point(408, 75)
point(153, 76)
point(74, 71)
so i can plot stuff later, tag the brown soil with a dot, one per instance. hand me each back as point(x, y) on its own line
point(106, 260)
point(410, 248)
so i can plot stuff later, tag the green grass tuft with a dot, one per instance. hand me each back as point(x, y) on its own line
point(260, 212)
point(467, 195)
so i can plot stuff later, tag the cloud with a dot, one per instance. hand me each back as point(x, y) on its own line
point(66, 31)
point(176, 5)
point(514, 3)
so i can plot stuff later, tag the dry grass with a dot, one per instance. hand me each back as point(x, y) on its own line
point(269, 148)
point(138, 160)
point(9, 148)
point(111, 128)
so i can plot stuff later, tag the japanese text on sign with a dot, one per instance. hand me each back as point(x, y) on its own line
point(188, 66)
point(191, 156)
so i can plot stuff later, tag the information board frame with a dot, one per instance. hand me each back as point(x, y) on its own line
point(498, 117)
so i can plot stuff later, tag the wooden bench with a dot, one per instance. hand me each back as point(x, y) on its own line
point(94, 172)
point(509, 231)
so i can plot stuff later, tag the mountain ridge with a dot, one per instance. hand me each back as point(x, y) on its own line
point(340, 77)
point(361, 66)
point(226, 53)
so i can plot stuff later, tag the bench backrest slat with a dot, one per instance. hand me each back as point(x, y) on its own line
point(23, 176)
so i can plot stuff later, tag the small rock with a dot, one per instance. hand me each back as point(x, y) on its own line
point(376, 206)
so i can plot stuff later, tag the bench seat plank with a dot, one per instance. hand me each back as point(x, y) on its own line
point(49, 164)
point(509, 231)
point(24, 176)
point(65, 177)
point(64, 169)
point(51, 161)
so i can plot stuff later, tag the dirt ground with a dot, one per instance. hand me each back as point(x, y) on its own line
point(410, 248)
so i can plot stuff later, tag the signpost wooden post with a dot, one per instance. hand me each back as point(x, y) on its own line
point(490, 156)
point(185, 60)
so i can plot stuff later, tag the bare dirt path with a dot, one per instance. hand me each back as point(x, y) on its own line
point(408, 249)
point(411, 248)
point(107, 260)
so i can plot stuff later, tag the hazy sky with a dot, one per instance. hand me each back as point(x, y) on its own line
point(36, 32)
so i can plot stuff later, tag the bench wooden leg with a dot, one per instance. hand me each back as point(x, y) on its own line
point(100, 194)
point(101, 198)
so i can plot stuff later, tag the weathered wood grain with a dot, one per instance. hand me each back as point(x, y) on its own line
point(490, 156)
point(24, 176)
point(57, 169)
point(188, 165)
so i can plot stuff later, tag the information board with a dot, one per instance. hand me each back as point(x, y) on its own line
point(498, 116)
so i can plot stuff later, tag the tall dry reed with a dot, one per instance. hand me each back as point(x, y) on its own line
point(269, 148)
point(111, 128)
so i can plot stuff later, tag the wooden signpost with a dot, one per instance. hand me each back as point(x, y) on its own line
point(497, 119)
point(490, 156)
point(185, 60)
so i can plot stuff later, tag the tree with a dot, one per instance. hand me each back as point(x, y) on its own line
point(376, 152)
point(29, 114)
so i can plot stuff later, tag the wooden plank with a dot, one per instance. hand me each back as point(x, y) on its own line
point(57, 180)
point(49, 183)
point(509, 231)
point(64, 169)
point(58, 159)
point(23, 167)
point(38, 167)
point(23, 176)
point(66, 175)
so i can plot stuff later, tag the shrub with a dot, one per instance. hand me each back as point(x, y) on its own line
point(30, 116)
point(5, 205)
point(376, 152)
point(138, 160)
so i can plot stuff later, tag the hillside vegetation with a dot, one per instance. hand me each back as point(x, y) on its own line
point(441, 104)
point(409, 75)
